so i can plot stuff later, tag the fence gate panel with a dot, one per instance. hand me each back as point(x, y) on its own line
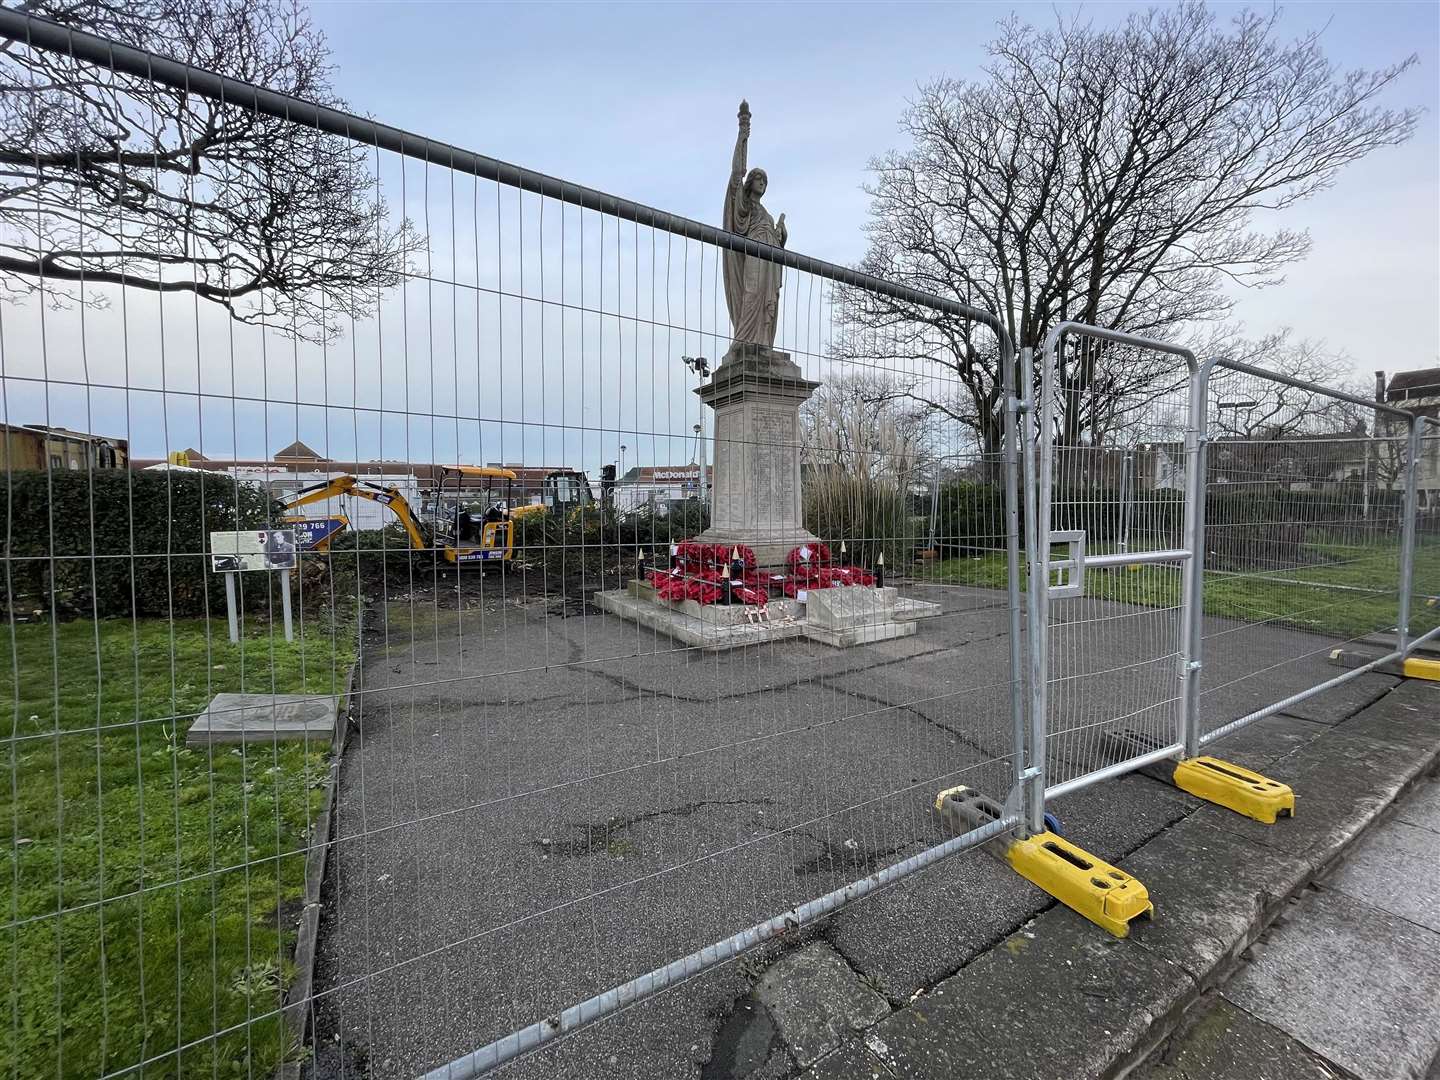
point(1113, 550)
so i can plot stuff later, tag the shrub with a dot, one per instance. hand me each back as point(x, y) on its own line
point(970, 517)
point(869, 516)
point(116, 542)
point(546, 537)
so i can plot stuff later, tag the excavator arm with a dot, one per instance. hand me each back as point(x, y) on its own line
point(351, 485)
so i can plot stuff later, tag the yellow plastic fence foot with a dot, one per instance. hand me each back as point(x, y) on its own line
point(1416, 667)
point(1235, 788)
point(962, 809)
point(1108, 897)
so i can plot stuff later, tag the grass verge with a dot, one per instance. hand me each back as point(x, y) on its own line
point(1347, 592)
point(153, 890)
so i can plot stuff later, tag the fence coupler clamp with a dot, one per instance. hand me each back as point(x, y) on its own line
point(1235, 788)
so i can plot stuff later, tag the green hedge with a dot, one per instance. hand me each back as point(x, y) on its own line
point(538, 535)
point(1243, 526)
point(116, 542)
point(869, 516)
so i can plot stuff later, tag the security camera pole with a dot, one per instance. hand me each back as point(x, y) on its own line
point(701, 367)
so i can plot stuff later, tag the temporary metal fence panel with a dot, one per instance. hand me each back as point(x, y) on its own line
point(1116, 443)
point(1425, 581)
point(1311, 504)
point(562, 785)
point(535, 812)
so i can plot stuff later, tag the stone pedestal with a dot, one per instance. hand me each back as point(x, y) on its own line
point(756, 393)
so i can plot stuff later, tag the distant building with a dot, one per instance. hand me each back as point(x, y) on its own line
point(659, 487)
point(1416, 392)
point(298, 460)
point(1301, 462)
point(37, 446)
point(298, 466)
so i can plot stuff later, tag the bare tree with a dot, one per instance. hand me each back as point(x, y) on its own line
point(1267, 431)
point(1108, 176)
point(1249, 407)
point(110, 179)
point(867, 426)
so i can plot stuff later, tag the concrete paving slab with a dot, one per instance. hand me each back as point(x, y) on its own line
point(1266, 741)
point(1409, 716)
point(1358, 985)
point(1344, 701)
point(263, 718)
point(1056, 999)
point(694, 630)
point(910, 938)
point(1422, 807)
point(1340, 784)
point(1229, 1044)
point(853, 1061)
point(836, 609)
point(1114, 818)
point(1210, 888)
point(816, 1000)
point(1397, 869)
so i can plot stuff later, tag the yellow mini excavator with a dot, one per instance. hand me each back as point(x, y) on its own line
point(466, 525)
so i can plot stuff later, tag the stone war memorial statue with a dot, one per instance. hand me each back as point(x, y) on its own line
point(757, 390)
point(752, 286)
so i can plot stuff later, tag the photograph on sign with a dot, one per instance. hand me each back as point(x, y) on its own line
point(256, 549)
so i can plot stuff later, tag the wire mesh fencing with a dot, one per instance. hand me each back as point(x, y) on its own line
point(1115, 455)
point(428, 428)
point(580, 594)
point(1425, 578)
point(1305, 512)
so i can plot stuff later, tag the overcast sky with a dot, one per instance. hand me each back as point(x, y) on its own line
point(639, 100)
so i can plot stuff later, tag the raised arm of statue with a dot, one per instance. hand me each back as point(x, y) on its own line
point(737, 166)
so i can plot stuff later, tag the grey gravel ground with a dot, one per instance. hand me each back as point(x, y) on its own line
point(540, 802)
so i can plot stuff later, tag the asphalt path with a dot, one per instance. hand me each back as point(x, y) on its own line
point(540, 801)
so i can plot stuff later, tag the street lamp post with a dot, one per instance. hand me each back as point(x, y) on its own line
point(699, 459)
point(620, 478)
point(701, 367)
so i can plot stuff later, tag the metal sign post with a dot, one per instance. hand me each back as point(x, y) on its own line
point(285, 603)
point(230, 608)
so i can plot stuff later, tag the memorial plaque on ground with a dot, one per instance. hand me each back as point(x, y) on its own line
point(248, 718)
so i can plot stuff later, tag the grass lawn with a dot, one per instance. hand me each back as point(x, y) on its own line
point(152, 890)
point(1331, 597)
